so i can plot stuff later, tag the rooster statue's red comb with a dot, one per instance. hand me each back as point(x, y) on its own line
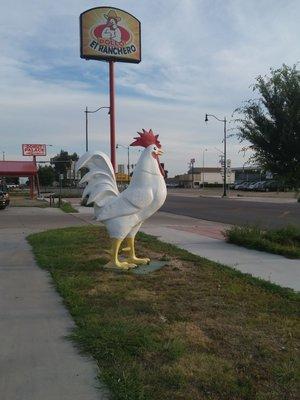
point(146, 139)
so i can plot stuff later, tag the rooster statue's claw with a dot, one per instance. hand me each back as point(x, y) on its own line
point(127, 265)
point(121, 265)
point(138, 261)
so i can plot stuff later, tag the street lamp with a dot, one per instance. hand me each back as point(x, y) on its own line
point(203, 167)
point(225, 155)
point(128, 160)
point(86, 124)
point(192, 162)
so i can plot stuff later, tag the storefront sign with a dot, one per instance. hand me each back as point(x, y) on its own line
point(34, 149)
point(110, 34)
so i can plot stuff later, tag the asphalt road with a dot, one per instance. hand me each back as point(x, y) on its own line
point(229, 211)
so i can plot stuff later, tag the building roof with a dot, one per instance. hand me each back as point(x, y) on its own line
point(17, 168)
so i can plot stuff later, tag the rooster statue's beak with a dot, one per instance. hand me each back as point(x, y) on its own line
point(158, 153)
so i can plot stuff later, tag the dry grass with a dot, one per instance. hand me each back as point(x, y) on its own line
point(192, 331)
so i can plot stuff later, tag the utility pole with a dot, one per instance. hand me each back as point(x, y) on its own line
point(203, 168)
point(192, 162)
point(86, 111)
point(225, 160)
point(225, 150)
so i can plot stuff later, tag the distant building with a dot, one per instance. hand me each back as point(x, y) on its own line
point(121, 168)
point(210, 176)
point(213, 176)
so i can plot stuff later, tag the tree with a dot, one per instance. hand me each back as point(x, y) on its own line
point(11, 180)
point(62, 162)
point(271, 123)
point(46, 175)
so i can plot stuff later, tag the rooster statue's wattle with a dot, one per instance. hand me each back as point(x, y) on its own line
point(123, 213)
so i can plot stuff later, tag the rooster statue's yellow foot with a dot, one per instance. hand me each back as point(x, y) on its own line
point(114, 262)
point(132, 258)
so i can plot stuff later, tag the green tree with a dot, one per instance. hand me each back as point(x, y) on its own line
point(11, 180)
point(271, 123)
point(62, 162)
point(46, 175)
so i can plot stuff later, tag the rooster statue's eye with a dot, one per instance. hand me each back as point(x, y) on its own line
point(154, 148)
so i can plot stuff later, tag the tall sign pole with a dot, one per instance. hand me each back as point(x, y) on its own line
point(112, 114)
point(113, 35)
point(34, 150)
point(86, 130)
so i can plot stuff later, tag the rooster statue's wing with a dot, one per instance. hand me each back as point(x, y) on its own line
point(131, 201)
point(101, 182)
point(103, 191)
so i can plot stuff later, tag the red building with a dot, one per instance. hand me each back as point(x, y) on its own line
point(27, 169)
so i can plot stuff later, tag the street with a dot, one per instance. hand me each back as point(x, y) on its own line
point(232, 211)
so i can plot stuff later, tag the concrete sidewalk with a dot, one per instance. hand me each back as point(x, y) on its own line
point(205, 238)
point(37, 362)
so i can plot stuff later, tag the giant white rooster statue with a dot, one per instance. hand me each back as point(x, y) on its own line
point(123, 213)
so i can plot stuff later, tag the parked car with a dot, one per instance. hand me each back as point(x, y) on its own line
point(238, 185)
point(257, 186)
point(272, 186)
point(252, 185)
point(4, 200)
point(245, 186)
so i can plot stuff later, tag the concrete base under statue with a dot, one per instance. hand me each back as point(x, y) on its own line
point(140, 269)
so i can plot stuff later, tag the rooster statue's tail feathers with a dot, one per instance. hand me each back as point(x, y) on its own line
point(101, 181)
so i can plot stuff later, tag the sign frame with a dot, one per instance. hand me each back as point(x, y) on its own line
point(33, 151)
point(108, 57)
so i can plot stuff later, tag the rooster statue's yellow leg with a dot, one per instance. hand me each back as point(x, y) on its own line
point(114, 261)
point(132, 258)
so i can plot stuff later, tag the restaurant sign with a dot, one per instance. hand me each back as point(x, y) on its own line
point(34, 149)
point(110, 34)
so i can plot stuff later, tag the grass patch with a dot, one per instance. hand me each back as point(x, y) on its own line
point(191, 331)
point(284, 241)
point(67, 207)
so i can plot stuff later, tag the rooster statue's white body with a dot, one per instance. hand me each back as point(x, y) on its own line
point(123, 213)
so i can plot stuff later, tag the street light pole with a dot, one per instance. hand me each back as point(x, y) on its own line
point(86, 111)
point(225, 150)
point(203, 168)
point(128, 164)
point(225, 160)
point(86, 130)
point(192, 162)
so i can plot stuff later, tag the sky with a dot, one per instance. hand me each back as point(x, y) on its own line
point(198, 56)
